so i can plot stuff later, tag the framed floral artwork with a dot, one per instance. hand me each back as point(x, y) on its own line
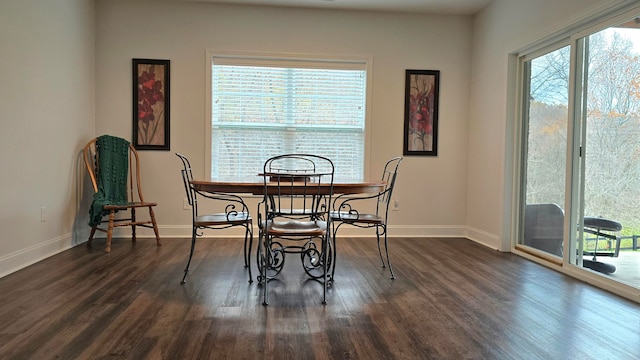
point(421, 112)
point(151, 104)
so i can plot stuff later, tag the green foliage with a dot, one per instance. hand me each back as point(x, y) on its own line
point(612, 122)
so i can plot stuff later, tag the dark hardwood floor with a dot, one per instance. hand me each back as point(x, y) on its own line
point(453, 299)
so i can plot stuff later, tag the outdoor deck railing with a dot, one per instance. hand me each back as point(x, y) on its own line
point(634, 241)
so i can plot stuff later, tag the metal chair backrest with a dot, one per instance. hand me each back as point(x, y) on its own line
point(187, 176)
point(230, 204)
point(298, 186)
point(389, 175)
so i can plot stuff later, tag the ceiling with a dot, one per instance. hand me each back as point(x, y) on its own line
point(453, 7)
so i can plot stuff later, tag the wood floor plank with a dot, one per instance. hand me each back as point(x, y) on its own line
point(452, 299)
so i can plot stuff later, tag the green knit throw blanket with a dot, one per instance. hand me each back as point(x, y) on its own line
point(113, 167)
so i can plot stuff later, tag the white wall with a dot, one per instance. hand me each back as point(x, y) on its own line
point(503, 28)
point(59, 88)
point(431, 190)
point(46, 115)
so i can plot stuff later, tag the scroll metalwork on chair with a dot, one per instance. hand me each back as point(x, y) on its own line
point(293, 217)
point(114, 168)
point(346, 211)
point(235, 213)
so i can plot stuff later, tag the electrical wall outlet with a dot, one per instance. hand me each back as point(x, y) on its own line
point(43, 214)
point(395, 204)
point(185, 204)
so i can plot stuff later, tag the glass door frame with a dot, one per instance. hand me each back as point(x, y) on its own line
point(523, 105)
point(571, 262)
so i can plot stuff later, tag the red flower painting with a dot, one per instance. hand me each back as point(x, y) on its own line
point(421, 113)
point(150, 109)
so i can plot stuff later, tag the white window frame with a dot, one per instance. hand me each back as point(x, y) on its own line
point(210, 54)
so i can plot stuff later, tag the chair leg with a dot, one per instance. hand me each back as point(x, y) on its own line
point(246, 250)
point(379, 250)
point(325, 254)
point(248, 238)
point(112, 216)
point(258, 257)
point(133, 224)
point(193, 246)
point(386, 249)
point(93, 231)
point(265, 264)
point(155, 225)
point(335, 253)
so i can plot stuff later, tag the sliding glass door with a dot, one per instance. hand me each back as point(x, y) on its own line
point(546, 101)
point(580, 163)
point(610, 79)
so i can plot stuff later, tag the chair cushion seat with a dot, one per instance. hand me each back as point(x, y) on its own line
point(296, 228)
point(356, 218)
point(222, 219)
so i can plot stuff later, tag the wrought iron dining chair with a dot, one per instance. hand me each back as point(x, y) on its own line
point(114, 168)
point(293, 216)
point(235, 214)
point(345, 212)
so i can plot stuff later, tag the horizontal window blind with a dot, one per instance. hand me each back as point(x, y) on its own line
point(264, 109)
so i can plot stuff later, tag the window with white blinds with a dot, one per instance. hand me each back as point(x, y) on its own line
point(262, 108)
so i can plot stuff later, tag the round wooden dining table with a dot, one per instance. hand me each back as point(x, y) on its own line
point(255, 186)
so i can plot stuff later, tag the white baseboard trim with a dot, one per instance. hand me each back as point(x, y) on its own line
point(28, 256)
point(482, 237)
point(184, 231)
point(22, 258)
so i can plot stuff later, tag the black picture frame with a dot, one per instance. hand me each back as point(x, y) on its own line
point(151, 99)
point(422, 92)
